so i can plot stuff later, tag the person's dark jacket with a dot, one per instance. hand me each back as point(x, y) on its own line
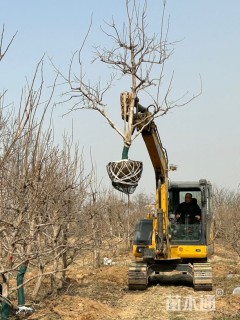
point(188, 210)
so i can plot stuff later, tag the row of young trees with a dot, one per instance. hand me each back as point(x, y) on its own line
point(41, 190)
point(51, 209)
point(226, 204)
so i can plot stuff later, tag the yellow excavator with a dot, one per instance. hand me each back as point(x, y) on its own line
point(160, 243)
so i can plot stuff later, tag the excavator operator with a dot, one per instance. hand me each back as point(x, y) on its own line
point(189, 210)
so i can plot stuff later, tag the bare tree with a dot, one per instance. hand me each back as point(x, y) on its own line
point(227, 217)
point(4, 50)
point(42, 188)
point(42, 191)
point(134, 54)
point(111, 219)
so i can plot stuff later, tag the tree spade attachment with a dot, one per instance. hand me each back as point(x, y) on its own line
point(125, 174)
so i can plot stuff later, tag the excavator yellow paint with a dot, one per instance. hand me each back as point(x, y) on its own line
point(186, 251)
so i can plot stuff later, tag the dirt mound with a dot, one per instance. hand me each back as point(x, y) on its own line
point(74, 307)
point(88, 295)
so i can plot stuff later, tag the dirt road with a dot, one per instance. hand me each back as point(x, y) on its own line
point(102, 294)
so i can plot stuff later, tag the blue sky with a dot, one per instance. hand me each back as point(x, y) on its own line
point(201, 138)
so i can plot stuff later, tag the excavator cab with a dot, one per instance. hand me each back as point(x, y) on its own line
point(190, 230)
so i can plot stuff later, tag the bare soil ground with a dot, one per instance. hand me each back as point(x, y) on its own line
point(95, 294)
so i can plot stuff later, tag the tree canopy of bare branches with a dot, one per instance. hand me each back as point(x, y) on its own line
point(226, 206)
point(135, 54)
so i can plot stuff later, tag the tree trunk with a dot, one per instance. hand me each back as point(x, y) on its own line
point(38, 283)
point(5, 293)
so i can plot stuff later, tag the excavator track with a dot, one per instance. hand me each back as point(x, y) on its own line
point(202, 276)
point(138, 276)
